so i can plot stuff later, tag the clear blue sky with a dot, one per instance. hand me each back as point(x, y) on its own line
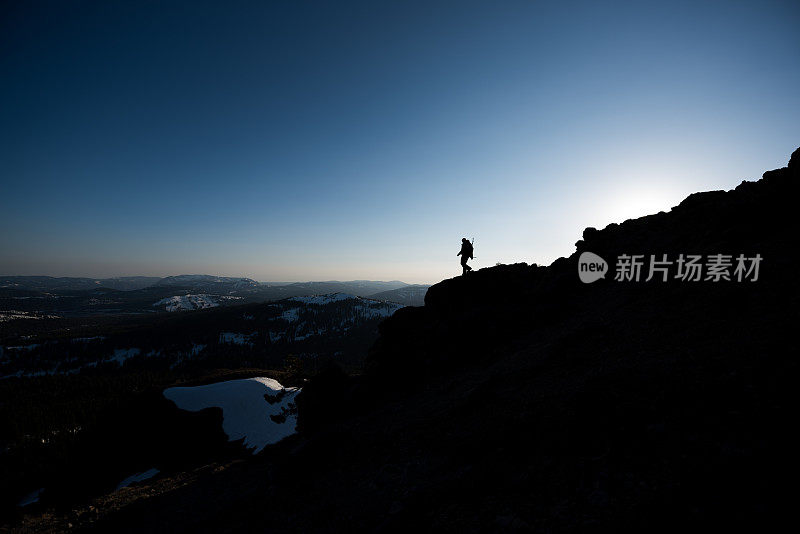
point(361, 140)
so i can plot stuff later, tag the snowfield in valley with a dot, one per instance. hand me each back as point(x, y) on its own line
point(246, 412)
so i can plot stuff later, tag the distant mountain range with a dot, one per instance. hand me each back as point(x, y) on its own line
point(205, 282)
point(65, 283)
point(201, 282)
point(412, 295)
point(38, 296)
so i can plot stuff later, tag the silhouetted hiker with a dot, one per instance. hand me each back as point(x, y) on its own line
point(466, 254)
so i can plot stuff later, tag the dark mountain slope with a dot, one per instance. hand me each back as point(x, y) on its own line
point(519, 398)
point(755, 218)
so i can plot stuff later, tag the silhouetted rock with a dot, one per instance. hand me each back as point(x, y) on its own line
point(675, 372)
point(520, 398)
point(794, 161)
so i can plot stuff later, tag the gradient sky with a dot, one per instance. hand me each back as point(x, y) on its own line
point(361, 140)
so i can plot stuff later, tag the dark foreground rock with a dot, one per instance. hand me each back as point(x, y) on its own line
point(520, 399)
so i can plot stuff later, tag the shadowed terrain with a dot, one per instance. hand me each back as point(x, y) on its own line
point(519, 398)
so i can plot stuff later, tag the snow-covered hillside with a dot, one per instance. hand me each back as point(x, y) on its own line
point(260, 411)
point(338, 325)
point(187, 302)
point(192, 302)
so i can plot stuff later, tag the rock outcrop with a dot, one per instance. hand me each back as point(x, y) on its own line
point(519, 398)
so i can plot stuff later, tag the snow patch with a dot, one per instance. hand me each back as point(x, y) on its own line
point(291, 315)
point(24, 347)
point(233, 338)
point(120, 355)
point(246, 412)
point(372, 309)
point(275, 336)
point(187, 302)
point(11, 315)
